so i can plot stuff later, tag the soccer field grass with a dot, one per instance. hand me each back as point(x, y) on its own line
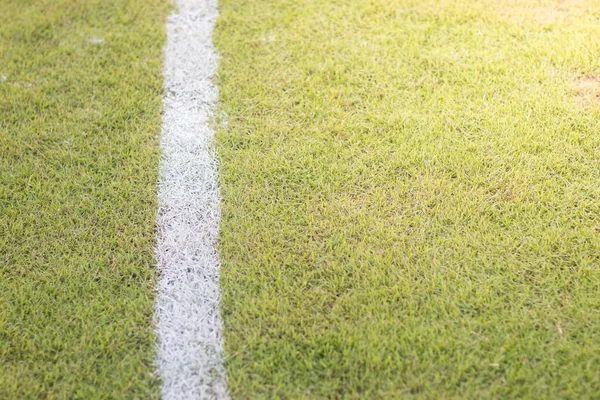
point(80, 103)
point(410, 198)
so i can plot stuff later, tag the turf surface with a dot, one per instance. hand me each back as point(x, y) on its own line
point(410, 198)
point(80, 102)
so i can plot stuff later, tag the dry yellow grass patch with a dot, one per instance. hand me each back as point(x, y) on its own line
point(547, 13)
point(587, 90)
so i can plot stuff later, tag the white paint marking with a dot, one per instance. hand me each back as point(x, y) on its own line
point(188, 326)
point(96, 40)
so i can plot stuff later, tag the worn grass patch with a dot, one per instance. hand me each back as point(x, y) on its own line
point(587, 89)
point(410, 199)
point(80, 101)
point(550, 12)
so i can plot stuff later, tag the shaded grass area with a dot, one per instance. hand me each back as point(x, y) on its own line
point(410, 198)
point(80, 102)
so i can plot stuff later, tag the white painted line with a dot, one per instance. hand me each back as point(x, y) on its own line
point(188, 323)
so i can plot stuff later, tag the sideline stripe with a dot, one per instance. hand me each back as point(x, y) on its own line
point(188, 325)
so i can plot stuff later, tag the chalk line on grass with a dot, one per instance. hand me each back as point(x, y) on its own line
point(188, 323)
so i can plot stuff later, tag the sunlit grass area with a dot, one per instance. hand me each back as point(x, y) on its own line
point(411, 198)
point(80, 103)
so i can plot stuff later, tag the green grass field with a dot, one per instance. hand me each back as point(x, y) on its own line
point(80, 101)
point(411, 198)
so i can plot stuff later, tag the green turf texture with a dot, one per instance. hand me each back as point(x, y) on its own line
point(79, 126)
point(411, 198)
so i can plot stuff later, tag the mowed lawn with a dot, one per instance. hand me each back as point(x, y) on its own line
point(411, 198)
point(80, 103)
